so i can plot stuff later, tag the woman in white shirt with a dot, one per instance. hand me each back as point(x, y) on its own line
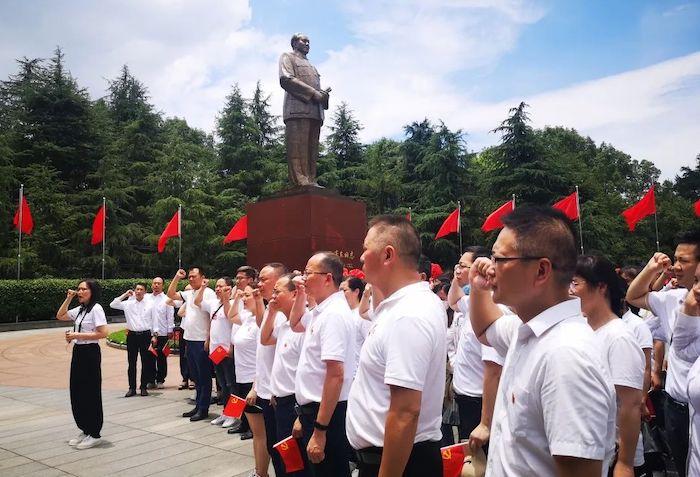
point(601, 291)
point(90, 325)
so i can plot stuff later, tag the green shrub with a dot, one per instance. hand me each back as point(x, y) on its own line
point(119, 337)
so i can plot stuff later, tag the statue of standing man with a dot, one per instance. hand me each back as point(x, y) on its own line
point(304, 102)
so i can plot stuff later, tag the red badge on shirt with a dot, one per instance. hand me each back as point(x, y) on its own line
point(218, 354)
point(234, 407)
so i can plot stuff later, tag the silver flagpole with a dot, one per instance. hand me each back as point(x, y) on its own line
point(459, 226)
point(104, 233)
point(19, 245)
point(513, 201)
point(656, 226)
point(179, 234)
point(580, 218)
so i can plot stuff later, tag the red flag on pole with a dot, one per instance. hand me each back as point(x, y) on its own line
point(234, 407)
point(98, 232)
point(450, 225)
point(645, 207)
point(291, 455)
point(569, 205)
point(493, 221)
point(171, 230)
point(27, 222)
point(239, 231)
point(408, 215)
point(452, 460)
point(696, 208)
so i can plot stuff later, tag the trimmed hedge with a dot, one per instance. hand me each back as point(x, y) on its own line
point(39, 299)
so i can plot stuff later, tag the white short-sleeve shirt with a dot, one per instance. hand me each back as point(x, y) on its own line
point(196, 321)
point(138, 313)
point(264, 360)
point(554, 397)
point(284, 367)
point(220, 327)
point(468, 365)
point(640, 330)
point(163, 314)
point(405, 348)
point(87, 321)
point(329, 336)
point(622, 356)
point(245, 344)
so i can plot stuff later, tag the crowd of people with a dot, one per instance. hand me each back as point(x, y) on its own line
point(548, 362)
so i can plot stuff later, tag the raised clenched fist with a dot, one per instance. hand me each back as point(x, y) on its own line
point(180, 274)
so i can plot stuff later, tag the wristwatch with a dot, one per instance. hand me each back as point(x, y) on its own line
point(320, 426)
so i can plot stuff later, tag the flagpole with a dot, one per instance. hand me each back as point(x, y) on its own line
point(179, 235)
point(513, 201)
point(104, 233)
point(19, 245)
point(580, 218)
point(656, 226)
point(459, 226)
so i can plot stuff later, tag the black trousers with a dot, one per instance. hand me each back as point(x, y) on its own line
point(285, 415)
point(676, 427)
point(182, 351)
point(337, 461)
point(469, 414)
point(425, 460)
point(200, 367)
point(226, 377)
point(137, 343)
point(86, 388)
point(161, 360)
point(271, 435)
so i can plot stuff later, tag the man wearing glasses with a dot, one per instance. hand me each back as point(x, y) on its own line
point(555, 407)
point(326, 366)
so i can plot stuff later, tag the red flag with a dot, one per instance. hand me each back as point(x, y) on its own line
point(452, 460)
point(435, 270)
point(239, 231)
point(153, 350)
point(569, 205)
point(166, 350)
point(493, 221)
point(27, 222)
point(291, 455)
point(451, 224)
point(98, 232)
point(696, 208)
point(218, 354)
point(171, 230)
point(645, 207)
point(408, 215)
point(234, 407)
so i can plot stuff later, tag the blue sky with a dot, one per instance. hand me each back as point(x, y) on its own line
point(623, 72)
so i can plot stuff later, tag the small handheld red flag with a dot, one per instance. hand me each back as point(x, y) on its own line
point(493, 221)
point(234, 407)
point(569, 205)
point(450, 225)
point(218, 354)
point(645, 207)
point(171, 230)
point(27, 222)
point(239, 231)
point(290, 453)
point(166, 350)
point(153, 350)
point(452, 460)
point(98, 233)
point(696, 207)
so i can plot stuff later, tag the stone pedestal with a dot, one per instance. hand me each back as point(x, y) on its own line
point(293, 225)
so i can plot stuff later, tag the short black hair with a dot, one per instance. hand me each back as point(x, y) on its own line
point(279, 268)
point(228, 280)
point(403, 237)
point(249, 271)
point(291, 286)
point(355, 283)
point(478, 251)
point(95, 292)
point(596, 270)
point(332, 264)
point(545, 232)
point(141, 284)
point(690, 237)
point(630, 270)
point(424, 266)
point(200, 270)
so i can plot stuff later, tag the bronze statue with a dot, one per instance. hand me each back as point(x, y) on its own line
point(304, 102)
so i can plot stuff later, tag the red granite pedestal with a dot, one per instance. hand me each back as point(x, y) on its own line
point(293, 225)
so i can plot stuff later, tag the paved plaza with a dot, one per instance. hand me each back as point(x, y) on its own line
point(142, 435)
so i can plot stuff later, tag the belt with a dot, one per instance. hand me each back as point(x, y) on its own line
point(310, 409)
point(144, 332)
point(373, 455)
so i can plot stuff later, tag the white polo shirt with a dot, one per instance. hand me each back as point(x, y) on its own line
point(406, 348)
point(220, 327)
point(87, 322)
point(666, 305)
point(329, 336)
point(264, 359)
point(245, 344)
point(554, 397)
point(640, 330)
point(196, 321)
point(287, 352)
point(163, 314)
point(138, 314)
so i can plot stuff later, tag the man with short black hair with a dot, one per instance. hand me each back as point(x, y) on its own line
point(163, 325)
point(395, 405)
point(555, 407)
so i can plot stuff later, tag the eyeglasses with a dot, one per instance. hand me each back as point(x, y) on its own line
point(307, 273)
point(496, 259)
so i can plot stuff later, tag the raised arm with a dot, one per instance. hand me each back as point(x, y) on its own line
point(638, 290)
point(233, 314)
point(366, 302)
point(118, 302)
point(259, 307)
point(268, 327)
point(298, 308)
point(455, 294)
point(62, 313)
point(483, 311)
point(172, 288)
point(199, 294)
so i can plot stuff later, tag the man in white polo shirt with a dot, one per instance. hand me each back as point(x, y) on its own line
point(555, 409)
point(196, 326)
point(395, 404)
point(326, 367)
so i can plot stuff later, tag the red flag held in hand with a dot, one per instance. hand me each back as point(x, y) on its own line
point(452, 460)
point(493, 221)
point(291, 455)
point(153, 350)
point(218, 354)
point(27, 224)
point(166, 350)
point(171, 230)
point(569, 205)
point(450, 225)
point(239, 231)
point(234, 407)
point(98, 232)
point(645, 207)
